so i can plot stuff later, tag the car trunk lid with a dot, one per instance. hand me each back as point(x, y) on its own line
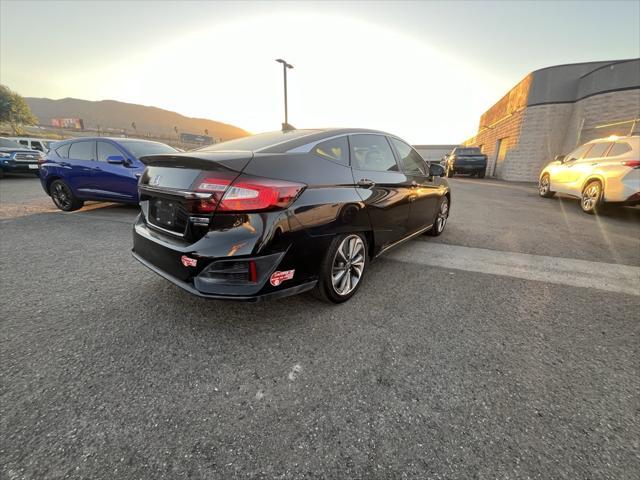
point(170, 195)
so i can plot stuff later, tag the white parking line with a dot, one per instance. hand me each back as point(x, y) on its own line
point(565, 271)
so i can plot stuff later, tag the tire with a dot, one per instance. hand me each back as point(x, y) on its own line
point(544, 187)
point(450, 173)
point(63, 197)
point(591, 200)
point(344, 249)
point(481, 174)
point(440, 220)
point(1, 173)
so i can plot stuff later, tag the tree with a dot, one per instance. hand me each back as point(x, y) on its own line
point(14, 110)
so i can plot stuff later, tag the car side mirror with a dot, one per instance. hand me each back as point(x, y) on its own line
point(116, 159)
point(436, 170)
point(560, 158)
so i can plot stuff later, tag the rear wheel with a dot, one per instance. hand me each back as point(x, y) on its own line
point(544, 187)
point(441, 218)
point(449, 172)
point(342, 268)
point(63, 197)
point(481, 174)
point(591, 199)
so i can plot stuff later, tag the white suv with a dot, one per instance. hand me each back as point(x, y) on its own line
point(602, 171)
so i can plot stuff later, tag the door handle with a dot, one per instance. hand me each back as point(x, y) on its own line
point(366, 183)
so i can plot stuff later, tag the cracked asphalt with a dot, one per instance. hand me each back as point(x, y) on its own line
point(108, 371)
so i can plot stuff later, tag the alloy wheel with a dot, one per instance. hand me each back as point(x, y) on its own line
point(348, 265)
point(543, 187)
point(61, 196)
point(590, 196)
point(443, 214)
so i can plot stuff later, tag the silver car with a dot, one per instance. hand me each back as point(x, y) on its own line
point(602, 171)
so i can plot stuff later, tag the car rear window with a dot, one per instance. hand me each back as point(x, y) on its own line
point(63, 150)
point(467, 151)
point(140, 148)
point(335, 149)
point(257, 142)
point(619, 148)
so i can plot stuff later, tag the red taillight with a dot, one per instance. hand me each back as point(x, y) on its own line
point(632, 163)
point(246, 194)
point(42, 158)
point(214, 185)
point(251, 194)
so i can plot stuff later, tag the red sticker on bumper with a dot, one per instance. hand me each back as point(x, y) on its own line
point(188, 261)
point(278, 277)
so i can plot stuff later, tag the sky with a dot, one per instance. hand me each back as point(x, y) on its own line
point(423, 70)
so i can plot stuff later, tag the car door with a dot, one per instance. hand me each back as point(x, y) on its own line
point(384, 189)
point(79, 166)
point(425, 189)
point(563, 174)
point(584, 167)
point(115, 181)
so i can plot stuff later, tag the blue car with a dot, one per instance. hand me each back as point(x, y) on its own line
point(104, 169)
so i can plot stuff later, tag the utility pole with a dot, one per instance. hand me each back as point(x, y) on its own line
point(285, 66)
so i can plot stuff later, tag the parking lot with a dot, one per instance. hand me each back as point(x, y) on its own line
point(505, 348)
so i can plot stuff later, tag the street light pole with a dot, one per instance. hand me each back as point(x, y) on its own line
point(285, 65)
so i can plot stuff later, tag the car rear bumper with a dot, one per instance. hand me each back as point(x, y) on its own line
point(624, 188)
point(247, 298)
point(203, 277)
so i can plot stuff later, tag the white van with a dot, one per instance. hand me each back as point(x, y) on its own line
point(41, 144)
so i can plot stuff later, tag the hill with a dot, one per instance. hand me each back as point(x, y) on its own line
point(119, 115)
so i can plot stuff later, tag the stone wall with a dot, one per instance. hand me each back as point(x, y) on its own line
point(536, 134)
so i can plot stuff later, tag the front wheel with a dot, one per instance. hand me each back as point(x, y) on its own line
point(63, 197)
point(441, 218)
point(481, 174)
point(544, 187)
point(342, 268)
point(591, 199)
point(449, 172)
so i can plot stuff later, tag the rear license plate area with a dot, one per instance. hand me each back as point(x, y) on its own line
point(168, 215)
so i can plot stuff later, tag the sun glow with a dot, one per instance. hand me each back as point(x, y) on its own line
point(348, 72)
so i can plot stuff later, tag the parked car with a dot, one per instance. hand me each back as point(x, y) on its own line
point(40, 144)
point(95, 169)
point(468, 160)
point(601, 172)
point(14, 158)
point(280, 213)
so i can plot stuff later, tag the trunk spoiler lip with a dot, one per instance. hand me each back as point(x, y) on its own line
point(197, 157)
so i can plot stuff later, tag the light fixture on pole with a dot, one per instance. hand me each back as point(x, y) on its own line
point(285, 66)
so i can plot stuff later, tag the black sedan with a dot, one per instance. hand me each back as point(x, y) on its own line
point(280, 213)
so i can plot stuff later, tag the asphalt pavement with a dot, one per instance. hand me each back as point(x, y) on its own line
point(435, 369)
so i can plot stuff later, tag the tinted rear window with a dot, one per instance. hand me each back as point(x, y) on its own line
point(140, 148)
point(467, 151)
point(257, 142)
point(63, 150)
point(620, 148)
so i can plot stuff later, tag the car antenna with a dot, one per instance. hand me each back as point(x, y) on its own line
point(286, 127)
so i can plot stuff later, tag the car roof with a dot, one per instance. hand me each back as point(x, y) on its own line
point(614, 138)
